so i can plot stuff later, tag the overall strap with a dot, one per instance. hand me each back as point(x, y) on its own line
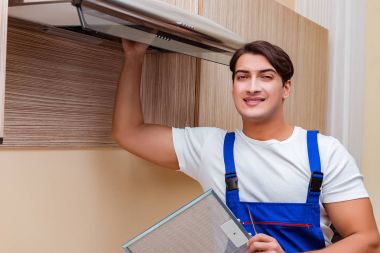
point(315, 167)
point(232, 190)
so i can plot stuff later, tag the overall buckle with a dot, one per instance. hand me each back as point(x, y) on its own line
point(316, 181)
point(231, 181)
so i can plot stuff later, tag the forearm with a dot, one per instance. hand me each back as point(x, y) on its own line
point(128, 112)
point(360, 242)
point(148, 141)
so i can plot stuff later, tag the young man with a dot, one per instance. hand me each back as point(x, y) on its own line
point(270, 171)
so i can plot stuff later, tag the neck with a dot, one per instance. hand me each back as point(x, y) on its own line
point(277, 129)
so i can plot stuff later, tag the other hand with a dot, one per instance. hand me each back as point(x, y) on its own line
point(132, 48)
point(264, 243)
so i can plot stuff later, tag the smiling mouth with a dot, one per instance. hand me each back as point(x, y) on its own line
point(253, 101)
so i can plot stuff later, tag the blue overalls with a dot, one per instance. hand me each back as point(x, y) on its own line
point(296, 226)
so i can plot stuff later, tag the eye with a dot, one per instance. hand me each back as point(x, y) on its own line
point(241, 77)
point(267, 77)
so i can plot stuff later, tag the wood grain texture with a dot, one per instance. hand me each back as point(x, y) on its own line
point(59, 90)
point(168, 83)
point(304, 41)
point(288, 3)
point(3, 51)
point(168, 91)
point(60, 87)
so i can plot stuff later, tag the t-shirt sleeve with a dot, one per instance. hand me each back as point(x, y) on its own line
point(343, 180)
point(189, 144)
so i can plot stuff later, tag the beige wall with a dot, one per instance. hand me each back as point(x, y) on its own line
point(371, 126)
point(82, 201)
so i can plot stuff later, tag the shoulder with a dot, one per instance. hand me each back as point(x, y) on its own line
point(193, 144)
point(342, 179)
point(330, 147)
point(199, 133)
point(325, 142)
point(331, 151)
point(196, 138)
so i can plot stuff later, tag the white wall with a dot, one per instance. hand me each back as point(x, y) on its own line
point(354, 80)
point(345, 20)
point(371, 124)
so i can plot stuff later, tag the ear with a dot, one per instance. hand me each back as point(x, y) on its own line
point(286, 89)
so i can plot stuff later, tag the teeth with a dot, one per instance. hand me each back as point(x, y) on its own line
point(254, 99)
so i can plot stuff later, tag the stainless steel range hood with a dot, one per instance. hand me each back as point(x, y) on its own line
point(149, 21)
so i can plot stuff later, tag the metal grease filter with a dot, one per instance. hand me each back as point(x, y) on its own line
point(204, 225)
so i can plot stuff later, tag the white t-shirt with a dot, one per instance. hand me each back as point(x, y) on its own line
point(270, 171)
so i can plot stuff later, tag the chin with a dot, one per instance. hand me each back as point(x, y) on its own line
point(253, 116)
point(256, 114)
point(254, 119)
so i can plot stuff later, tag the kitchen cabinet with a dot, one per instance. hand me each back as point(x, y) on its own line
point(303, 40)
point(60, 84)
point(60, 87)
point(3, 50)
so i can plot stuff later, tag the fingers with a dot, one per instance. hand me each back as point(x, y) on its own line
point(262, 238)
point(263, 243)
point(133, 48)
point(260, 247)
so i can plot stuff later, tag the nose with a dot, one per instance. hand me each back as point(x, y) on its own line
point(254, 85)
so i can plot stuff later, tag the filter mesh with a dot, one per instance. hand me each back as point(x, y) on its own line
point(195, 229)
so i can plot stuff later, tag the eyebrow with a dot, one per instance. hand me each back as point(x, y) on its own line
point(260, 71)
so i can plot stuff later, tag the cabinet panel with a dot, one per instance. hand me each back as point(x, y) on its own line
point(168, 83)
point(168, 89)
point(60, 87)
point(304, 41)
point(3, 50)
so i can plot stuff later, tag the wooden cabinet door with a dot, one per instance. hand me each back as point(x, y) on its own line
point(3, 51)
point(60, 86)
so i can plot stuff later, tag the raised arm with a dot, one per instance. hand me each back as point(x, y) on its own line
point(149, 141)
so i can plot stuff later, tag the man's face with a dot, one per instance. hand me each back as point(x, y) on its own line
point(258, 90)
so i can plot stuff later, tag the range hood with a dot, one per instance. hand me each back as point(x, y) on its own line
point(152, 22)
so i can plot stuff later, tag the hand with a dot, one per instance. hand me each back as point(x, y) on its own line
point(132, 48)
point(263, 243)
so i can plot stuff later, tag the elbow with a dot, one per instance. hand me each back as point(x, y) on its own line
point(375, 244)
point(120, 137)
point(116, 135)
point(116, 132)
point(125, 130)
point(124, 137)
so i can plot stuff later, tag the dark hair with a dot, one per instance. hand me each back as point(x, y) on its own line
point(277, 57)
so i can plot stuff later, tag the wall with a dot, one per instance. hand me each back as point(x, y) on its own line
point(82, 201)
point(370, 163)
